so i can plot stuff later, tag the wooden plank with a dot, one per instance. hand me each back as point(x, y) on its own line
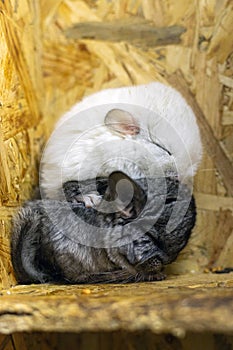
point(176, 305)
point(131, 31)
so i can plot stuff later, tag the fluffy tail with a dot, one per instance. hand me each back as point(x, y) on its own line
point(25, 243)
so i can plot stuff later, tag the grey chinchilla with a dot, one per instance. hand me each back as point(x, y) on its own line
point(51, 242)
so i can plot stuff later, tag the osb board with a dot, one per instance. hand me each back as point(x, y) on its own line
point(115, 341)
point(178, 305)
point(47, 66)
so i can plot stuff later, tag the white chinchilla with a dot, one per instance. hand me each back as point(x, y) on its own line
point(140, 130)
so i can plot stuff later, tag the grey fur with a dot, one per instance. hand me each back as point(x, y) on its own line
point(48, 235)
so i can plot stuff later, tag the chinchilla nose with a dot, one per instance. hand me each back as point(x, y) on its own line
point(151, 264)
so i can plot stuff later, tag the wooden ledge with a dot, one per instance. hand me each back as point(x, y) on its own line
point(196, 303)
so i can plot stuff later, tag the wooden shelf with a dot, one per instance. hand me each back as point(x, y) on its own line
point(180, 304)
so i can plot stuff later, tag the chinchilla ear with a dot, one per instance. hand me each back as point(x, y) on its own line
point(127, 195)
point(122, 121)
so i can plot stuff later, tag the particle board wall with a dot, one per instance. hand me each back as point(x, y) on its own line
point(52, 53)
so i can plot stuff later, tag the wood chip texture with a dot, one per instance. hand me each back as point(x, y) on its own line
point(52, 53)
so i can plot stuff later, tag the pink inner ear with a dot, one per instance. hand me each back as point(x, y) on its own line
point(122, 122)
point(130, 129)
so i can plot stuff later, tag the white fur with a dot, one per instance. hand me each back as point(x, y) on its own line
point(82, 146)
